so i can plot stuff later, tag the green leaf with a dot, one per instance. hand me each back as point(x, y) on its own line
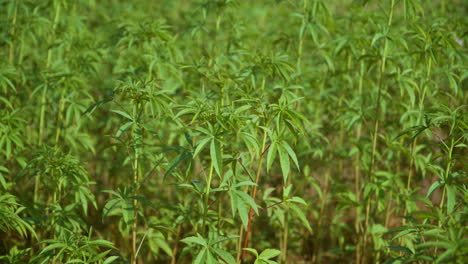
point(284, 162)
point(300, 214)
point(269, 253)
point(252, 250)
point(110, 259)
point(216, 156)
point(195, 240)
point(249, 200)
point(401, 249)
point(123, 128)
point(450, 198)
point(433, 187)
point(271, 155)
point(54, 246)
point(200, 145)
point(291, 153)
point(243, 211)
point(200, 257)
point(122, 113)
point(225, 255)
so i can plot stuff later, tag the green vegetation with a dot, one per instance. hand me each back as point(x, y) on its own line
point(228, 131)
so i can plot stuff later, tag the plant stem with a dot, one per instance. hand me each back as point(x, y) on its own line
point(207, 196)
point(421, 109)
point(446, 173)
point(301, 37)
point(357, 172)
point(254, 194)
point(174, 251)
point(135, 209)
point(284, 247)
point(137, 136)
point(12, 33)
point(376, 128)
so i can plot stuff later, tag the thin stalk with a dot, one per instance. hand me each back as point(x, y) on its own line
point(12, 33)
point(447, 171)
point(357, 172)
point(239, 244)
point(219, 216)
point(317, 256)
point(60, 117)
point(175, 249)
point(421, 109)
point(43, 100)
point(135, 209)
point(284, 246)
point(254, 193)
point(301, 37)
point(376, 126)
point(207, 196)
point(136, 176)
point(44, 92)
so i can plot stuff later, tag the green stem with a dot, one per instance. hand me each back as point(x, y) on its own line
point(447, 172)
point(12, 33)
point(357, 173)
point(376, 126)
point(254, 194)
point(284, 247)
point(137, 141)
point(207, 196)
point(301, 38)
point(60, 117)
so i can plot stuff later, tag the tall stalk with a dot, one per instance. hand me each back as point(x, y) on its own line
point(447, 171)
point(43, 99)
point(138, 142)
point(357, 170)
point(301, 36)
point(376, 125)
point(254, 194)
point(207, 197)
point(11, 53)
point(419, 120)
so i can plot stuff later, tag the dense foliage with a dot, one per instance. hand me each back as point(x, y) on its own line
point(224, 131)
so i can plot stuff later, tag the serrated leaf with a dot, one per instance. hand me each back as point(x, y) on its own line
point(269, 253)
point(122, 113)
point(433, 187)
point(200, 257)
point(200, 146)
point(284, 162)
point(271, 155)
point(123, 128)
point(195, 239)
point(216, 156)
point(225, 255)
point(450, 198)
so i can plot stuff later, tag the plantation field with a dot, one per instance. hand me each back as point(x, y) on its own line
point(230, 131)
